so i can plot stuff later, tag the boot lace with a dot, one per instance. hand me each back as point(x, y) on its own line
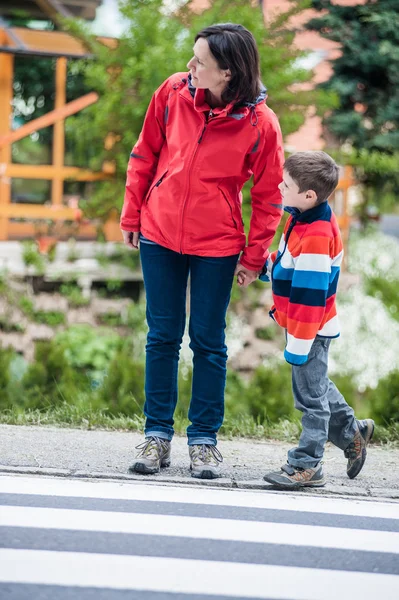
point(152, 447)
point(206, 453)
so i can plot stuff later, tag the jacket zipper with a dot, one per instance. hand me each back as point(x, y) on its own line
point(158, 183)
point(290, 228)
point(188, 179)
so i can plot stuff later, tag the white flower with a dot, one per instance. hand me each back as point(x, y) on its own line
point(368, 348)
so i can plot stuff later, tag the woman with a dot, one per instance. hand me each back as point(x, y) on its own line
point(205, 134)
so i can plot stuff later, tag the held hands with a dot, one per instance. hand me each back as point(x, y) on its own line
point(131, 239)
point(245, 276)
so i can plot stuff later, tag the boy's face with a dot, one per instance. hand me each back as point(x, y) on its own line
point(292, 197)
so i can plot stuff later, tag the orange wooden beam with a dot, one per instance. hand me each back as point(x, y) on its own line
point(50, 172)
point(6, 96)
point(38, 211)
point(50, 118)
point(57, 188)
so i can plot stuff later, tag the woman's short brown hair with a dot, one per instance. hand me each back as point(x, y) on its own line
point(313, 170)
point(234, 48)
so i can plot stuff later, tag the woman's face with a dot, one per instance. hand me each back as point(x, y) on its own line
point(205, 72)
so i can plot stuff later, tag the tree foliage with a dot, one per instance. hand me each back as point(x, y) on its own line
point(366, 80)
point(154, 45)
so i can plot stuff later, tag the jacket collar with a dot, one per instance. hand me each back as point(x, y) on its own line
point(200, 104)
point(320, 211)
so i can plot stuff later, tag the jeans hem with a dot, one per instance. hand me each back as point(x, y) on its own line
point(163, 435)
point(198, 441)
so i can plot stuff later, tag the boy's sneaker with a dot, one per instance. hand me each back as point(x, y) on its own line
point(205, 461)
point(153, 454)
point(291, 478)
point(356, 451)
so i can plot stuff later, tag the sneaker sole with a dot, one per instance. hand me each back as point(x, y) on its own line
point(204, 474)
point(295, 486)
point(143, 469)
point(367, 439)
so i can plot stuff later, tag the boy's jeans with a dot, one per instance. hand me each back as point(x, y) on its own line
point(326, 415)
point(165, 278)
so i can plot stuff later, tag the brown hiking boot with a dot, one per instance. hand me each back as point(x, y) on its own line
point(356, 451)
point(205, 461)
point(292, 478)
point(153, 454)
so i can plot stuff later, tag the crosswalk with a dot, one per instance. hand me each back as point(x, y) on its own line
point(86, 540)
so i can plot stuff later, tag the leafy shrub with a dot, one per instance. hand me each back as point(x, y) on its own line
point(386, 290)
point(122, 390)
point(266, 333)
point(5, 360)
point(50, 379)
point(74, 295)
point(31, 256)
point(384, 399)
point(269, 394)
point(89, 349)
point(51, 317)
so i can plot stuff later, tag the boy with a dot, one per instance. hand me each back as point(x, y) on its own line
point(304, 272)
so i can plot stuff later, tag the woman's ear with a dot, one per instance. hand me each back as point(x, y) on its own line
point(226, 74)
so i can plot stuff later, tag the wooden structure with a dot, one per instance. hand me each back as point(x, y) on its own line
point(39, 9)
point(62, 46)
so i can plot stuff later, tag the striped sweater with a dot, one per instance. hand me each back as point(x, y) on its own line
point(304, 272)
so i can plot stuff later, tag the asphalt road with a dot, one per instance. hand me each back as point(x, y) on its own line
point(77, 539)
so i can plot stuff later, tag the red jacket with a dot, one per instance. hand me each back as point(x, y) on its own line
point(187, 169)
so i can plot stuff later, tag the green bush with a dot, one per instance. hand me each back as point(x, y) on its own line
point(5, 361)
point(266, 333)
point(32, 257)
point(384, 400)
point(269, 394)
point(122, 390)
point(89, 350)
point(50, 379)
point(74, 295)
point(386, 290)
point(51, 317)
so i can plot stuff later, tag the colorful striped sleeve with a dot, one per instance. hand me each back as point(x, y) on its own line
point(308, 296)
point(266, 274)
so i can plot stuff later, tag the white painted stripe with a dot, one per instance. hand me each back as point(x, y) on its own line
point(192, 576)
point(160, 493)
point(298, 345)
point(200, 528)
point(313, 262)
point(331, 328)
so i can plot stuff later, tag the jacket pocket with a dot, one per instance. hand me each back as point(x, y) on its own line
point(225, 196)
point(155, 184)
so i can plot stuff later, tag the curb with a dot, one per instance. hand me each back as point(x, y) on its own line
point(331, 490)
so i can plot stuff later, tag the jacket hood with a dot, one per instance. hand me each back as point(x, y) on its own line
point(259, 100)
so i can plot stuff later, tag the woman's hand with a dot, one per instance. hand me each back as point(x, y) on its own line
point(245, 276)
point(131, 239)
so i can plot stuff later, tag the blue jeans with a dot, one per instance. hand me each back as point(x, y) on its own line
point(165, 279)
point(326, 415)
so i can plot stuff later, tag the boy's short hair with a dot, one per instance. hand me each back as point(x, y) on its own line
point(313, 170)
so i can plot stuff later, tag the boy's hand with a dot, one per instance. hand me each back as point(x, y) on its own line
point(245, 276)
point(131, 238)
